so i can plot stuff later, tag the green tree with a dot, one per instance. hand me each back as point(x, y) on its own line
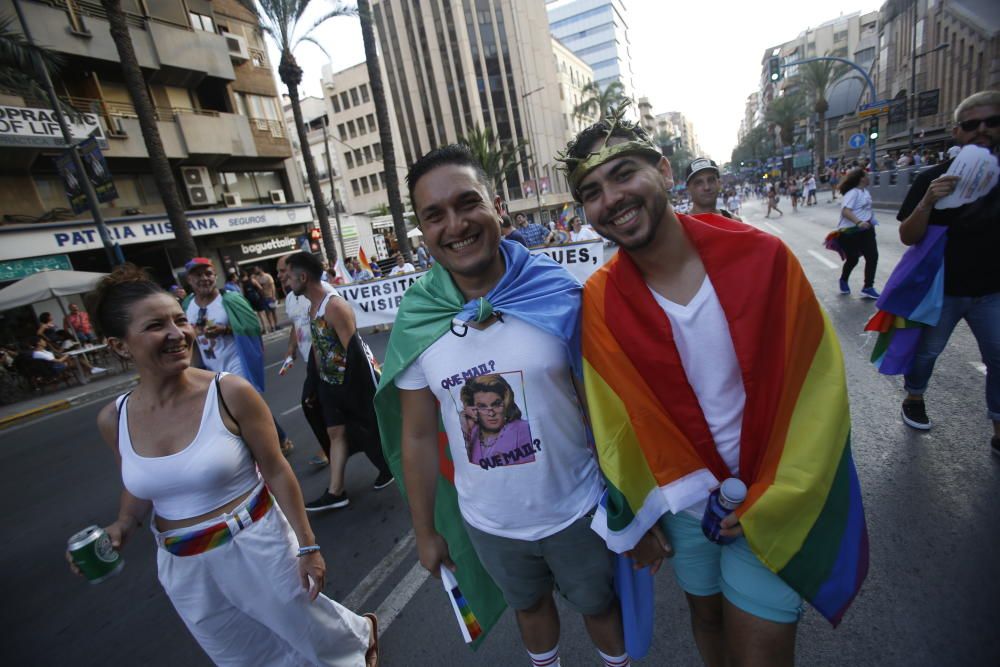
point(16, 66)
point(785, 112)
point(280, 20)
point(756, 145)
point(497, 157)
point(384, 128)
point(597, 101)
point(817, 77)
point(163, 175)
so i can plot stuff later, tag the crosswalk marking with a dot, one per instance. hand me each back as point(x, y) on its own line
point(823, 260)
point(379, 573)
point(777, 230)
point(400, 596)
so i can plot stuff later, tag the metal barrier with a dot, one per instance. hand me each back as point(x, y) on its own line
point(888, 188)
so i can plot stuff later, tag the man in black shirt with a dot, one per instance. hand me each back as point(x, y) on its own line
point(971, 267)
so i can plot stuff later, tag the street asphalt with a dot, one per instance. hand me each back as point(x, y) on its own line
point(930, 597)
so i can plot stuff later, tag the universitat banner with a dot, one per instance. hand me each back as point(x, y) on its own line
point(376, 302)
point(51, 239)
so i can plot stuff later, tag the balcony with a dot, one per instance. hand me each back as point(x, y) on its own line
point(214, 133)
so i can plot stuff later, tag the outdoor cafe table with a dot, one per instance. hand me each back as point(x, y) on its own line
point(83, 351)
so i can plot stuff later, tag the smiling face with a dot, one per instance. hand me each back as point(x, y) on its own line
point(159, 337)
point(202, 281)
point(626, 199)
point(987, 137)
point(460, 222)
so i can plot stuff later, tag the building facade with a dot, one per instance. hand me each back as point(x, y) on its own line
point(574, 74)
point(455, 66)
point(597, 32)
point(219, 118)
point(678, 125)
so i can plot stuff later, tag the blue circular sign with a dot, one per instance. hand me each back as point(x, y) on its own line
point(856, 140)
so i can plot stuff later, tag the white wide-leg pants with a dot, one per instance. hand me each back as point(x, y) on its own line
point(244, 604)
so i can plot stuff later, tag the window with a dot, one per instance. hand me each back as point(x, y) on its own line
point(260, 106)
point(368, 154)
point(201, 22)
point(361, 126)
point(350, 129)
point(374, 179)
point(381, 178)
point(371, 122)
point(349, 159)
point(357, 156)
point(354, 97)
point(355, 187)
point(344, 102)
point(258, 58)
point(364, 185)
point(335, 103)
point(377, 148)
point(342, 131)
point(364, 92)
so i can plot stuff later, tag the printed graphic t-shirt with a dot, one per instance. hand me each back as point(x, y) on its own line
point(523, 466)
point(705, 346)
point(219, 354)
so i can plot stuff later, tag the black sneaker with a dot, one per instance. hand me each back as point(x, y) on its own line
point(995, 443)
point(915, 415)
point(328, 501)
point(383, 480)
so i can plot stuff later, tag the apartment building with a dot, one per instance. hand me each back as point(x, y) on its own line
point(597, 32)
point(574, 75)
point(220, 119)
point(678, 125)
point(451, 68)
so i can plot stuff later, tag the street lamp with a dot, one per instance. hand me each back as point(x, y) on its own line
point(913, 80)
point(534, 161)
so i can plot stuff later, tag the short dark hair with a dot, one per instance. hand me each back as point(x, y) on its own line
point(851, 180)
point(505, 221)
point(579, 147)
point(456, 154)
point(308, 262)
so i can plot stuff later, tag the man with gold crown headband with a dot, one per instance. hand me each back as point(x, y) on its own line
point(707, 357)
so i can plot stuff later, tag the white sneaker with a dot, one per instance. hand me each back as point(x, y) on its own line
point(97, 370)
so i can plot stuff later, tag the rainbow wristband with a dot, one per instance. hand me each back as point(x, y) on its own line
point(307, 550)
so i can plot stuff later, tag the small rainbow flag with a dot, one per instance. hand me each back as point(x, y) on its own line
point(363, 259)
point(467, 621)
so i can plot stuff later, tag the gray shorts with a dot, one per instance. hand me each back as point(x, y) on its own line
point(575, 560)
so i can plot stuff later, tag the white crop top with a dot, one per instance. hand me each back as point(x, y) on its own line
point(214, 469)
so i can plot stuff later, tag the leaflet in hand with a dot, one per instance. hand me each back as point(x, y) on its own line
point(977, 170)
point(466, 619)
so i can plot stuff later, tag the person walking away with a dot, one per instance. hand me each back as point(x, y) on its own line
point(687, 388)
point(971, 269)
point(346, 384)
point(236, 555)
point(857, 232)
point(227, 330)
point(251, 290)
point(772, 201)
point(485, 343)
point(269, 296)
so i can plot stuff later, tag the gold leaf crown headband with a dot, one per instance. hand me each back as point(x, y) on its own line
point(639, 142)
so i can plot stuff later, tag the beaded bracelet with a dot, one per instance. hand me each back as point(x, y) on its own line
point(307, 550)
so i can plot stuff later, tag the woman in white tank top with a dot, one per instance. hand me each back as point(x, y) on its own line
point(244, 573)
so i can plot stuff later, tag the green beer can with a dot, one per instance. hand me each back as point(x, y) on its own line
point(92, 552)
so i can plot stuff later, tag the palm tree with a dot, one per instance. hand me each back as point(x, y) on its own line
point(817, 77)
point(279, 19)
point(497, 157)
point(785, 112)
point(158, 162)
point(384, 129)
point(597, 101)
point(16, 66)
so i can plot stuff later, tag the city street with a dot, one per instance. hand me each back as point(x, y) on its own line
point(931, 597)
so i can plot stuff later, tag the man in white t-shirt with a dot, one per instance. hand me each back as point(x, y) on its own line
point(402, 266)
point(581, 232)
point(682, 381)
point(497, 368)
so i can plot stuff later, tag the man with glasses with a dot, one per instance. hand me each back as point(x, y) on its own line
point(971, 269)
point(227, 330)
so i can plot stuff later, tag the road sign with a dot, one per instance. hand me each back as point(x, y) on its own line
point(856, 140)
point(866, 111)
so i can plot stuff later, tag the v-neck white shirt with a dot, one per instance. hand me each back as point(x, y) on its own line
point(705, 345)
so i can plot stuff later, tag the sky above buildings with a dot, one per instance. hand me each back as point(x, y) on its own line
point(699, 58)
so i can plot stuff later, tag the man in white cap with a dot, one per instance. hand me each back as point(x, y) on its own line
point(704, 185)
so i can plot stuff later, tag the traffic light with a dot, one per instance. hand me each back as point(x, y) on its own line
point(873, 130)
point(774, 67)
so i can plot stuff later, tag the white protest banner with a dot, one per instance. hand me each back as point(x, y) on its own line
point(376, 302)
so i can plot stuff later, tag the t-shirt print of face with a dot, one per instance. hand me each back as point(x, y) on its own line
point(495, 427)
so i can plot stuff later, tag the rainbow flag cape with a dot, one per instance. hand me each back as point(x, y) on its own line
point(363, 259)
point(246, 332)
point(910, 301)
point(534, 289)
point(803, 516)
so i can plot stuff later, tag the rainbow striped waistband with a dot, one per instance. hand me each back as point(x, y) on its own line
point(207, 538)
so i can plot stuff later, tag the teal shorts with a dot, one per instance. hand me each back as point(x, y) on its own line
point(705, 568)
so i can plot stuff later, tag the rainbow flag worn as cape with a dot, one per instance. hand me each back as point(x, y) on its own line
point(246, 333)
point(803, 515)
point(534, 289)
point(910, 302)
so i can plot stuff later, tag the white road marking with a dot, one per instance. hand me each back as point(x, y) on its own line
point(277, 363)
point(291, 410)
point(978, 366)
point(777, 230)
point(823, 260)
point(379, 573)
point(401, 595)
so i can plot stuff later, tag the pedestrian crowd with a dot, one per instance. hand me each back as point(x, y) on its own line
point(550, 437)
